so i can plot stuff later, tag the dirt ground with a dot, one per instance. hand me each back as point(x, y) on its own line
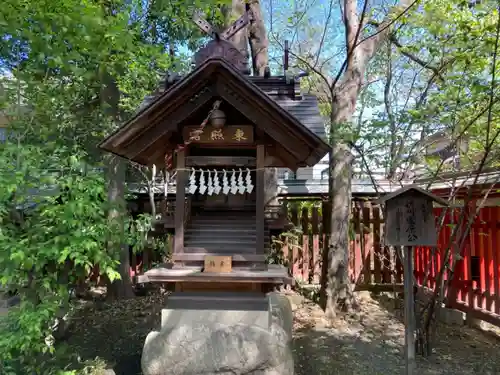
point(369, 341)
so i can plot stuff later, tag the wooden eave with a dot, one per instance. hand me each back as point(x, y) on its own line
point(213, 79)
point(412, 189)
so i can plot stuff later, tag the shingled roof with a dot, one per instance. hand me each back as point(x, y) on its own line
point(285, 92)
point(152, 130)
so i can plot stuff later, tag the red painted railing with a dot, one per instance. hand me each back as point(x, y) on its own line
point(476, 283)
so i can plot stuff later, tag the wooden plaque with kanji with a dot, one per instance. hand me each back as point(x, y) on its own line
point(229, 134)
point(218, 264)
point(410, 221)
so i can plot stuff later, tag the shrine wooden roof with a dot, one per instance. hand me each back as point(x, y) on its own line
point(154, 129)
point(285, 92)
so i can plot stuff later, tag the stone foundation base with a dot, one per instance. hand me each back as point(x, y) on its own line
point(223, 334)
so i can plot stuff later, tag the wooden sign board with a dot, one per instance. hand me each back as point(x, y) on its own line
point(229, 134)
point(409, 217)
point(410, 221)
point(218, 264)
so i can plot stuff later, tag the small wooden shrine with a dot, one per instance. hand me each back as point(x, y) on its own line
point(218, 131)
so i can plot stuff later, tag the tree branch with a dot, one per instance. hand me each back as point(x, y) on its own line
point(383, 28)
point(424, 64)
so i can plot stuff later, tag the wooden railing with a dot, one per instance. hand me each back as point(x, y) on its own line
point(274, 211)
point(187, 209)
point(276, 216)
point(167, 210)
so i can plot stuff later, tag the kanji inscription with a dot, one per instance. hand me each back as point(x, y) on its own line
point(410, 221)
point(399, 219)
point(229, 134)
point(217, 135)
point(218, 264)
point(239, 135)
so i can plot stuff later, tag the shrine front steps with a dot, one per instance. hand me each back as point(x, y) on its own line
point(223, 232)
point(222, 239)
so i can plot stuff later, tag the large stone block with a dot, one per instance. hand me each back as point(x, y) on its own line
point(451, 316)
point(281, 312)
point(205, 308)
point(221, 334)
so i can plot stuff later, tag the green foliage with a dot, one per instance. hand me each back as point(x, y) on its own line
point(434, 74)
point(458, 41)
point(77, 69)
point(50, 248)
point(292, 238)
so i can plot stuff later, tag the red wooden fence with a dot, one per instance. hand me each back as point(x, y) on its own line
point(476, 284)
point(370, 262)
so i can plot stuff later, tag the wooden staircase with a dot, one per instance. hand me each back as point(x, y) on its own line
point(223, 231)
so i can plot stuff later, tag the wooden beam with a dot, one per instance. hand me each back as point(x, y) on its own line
point(260, 196)
point(282, 153)
point(201, 253)
point(235, 161)
point(158, 150)
point(146, 119)
point(283, 120)
point(180, 202)
point(235, 135)
point(261, 120)
point(213, 278)
point(138, 144)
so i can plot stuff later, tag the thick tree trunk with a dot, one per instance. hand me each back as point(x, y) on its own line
point(271, 186)
point(259, 43)
point(344, 94)
point(336, 286)
point(116, 196)
point(254, 35)
point(240, 39)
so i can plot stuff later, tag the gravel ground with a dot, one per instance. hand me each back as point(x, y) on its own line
point(369, 341)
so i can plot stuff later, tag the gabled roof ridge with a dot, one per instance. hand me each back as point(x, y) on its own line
point(214, 78)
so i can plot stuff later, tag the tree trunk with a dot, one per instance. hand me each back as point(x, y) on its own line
point(116, 196)
point(254, 35)
point(259, 44)
point(336, 286)
point(344, 93)
point(240, 39)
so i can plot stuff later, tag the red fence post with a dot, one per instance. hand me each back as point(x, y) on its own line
point(366, 249)
point(358, 257)
point(316, 251)
point(294, 243)
point(496, 259)
point(305, 243)
point(377, 251)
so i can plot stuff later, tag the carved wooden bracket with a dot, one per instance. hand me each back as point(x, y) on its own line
point(224, 50)
point(221, 46)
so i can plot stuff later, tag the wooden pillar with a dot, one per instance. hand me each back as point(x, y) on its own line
point(179, 202)
point(260, 194)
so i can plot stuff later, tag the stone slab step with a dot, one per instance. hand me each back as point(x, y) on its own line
point(221, 240)
point(222, 221)
point(220, 230)
point(229, 249)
